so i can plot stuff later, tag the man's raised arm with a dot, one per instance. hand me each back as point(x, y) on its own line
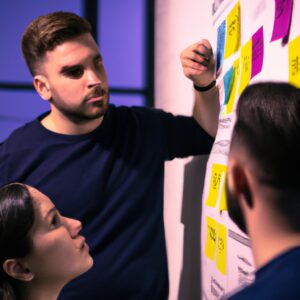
point(199, 66)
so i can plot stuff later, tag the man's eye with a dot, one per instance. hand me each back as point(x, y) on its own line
point(98, 63)
point(75, 73)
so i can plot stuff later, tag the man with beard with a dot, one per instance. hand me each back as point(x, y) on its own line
point(102, 164)
point(263, 191)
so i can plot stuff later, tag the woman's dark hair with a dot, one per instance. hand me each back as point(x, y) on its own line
point(16, 221)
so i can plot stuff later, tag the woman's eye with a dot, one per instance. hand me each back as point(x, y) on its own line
point(55, 221)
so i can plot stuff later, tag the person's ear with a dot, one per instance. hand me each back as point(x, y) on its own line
point(17, 269)
point(239, 182)
point(41, 85)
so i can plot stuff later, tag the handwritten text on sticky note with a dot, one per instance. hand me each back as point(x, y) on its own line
point(294, 62)
point(233, 30)
point(217, 173)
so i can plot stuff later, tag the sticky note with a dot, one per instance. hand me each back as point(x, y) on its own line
point(282, 19)
point(221, 248)
point(232, 96)
point(220, 45)
point(233, 30)
point(223, 201)
point(228, 82)
point(294, 62)
point(246, 65)
point(216, 243)
point(257, 51)
point(217, 172)
point(211, 238)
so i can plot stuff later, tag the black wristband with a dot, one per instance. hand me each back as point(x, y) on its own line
point(204, 88)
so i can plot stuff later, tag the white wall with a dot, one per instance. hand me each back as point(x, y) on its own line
point(178, 24)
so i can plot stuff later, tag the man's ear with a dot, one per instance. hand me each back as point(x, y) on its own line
point(17, 269)
point(239, 182)
point(41, 85)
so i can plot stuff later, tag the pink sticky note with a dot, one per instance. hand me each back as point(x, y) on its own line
point(257, 51)
point(282, 20)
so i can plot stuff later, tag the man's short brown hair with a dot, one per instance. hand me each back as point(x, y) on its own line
point(47, 32)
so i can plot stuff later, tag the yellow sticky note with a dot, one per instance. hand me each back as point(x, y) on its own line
point(221, 249)
point(245, 65)
point(223, 201)
point(294, 62)
point(211, 238)
point(233, 96)
point(217, 172)
point(233, 30)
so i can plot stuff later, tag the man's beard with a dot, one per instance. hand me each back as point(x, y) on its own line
point(78, 115)
point(234, 210)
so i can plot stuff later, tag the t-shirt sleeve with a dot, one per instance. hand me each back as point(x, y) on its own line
point(176, 136)
point(184, 136)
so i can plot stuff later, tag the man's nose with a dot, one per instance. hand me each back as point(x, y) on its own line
point(93, 78)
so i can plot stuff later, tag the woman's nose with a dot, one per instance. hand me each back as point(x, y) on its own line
point(74, 226)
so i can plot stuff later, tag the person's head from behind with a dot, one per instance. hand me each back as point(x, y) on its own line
point(66, 65)
point(40, 250)
point(264, 161)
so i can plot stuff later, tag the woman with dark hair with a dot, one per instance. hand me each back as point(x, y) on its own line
point(40, 250)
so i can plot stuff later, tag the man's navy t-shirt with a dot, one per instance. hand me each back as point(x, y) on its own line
point(112, 180)
point(278, 280)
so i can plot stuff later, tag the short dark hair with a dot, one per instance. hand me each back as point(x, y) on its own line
point(268, 128)
point(47, 32)
point(16, 222)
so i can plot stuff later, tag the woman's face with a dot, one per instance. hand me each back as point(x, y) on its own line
point(59, 253)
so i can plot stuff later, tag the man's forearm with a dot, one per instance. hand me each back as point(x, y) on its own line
point(207, 109)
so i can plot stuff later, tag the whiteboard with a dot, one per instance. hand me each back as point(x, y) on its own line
point(257, 40)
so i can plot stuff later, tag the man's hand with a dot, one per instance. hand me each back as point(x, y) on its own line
point(198, 63)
